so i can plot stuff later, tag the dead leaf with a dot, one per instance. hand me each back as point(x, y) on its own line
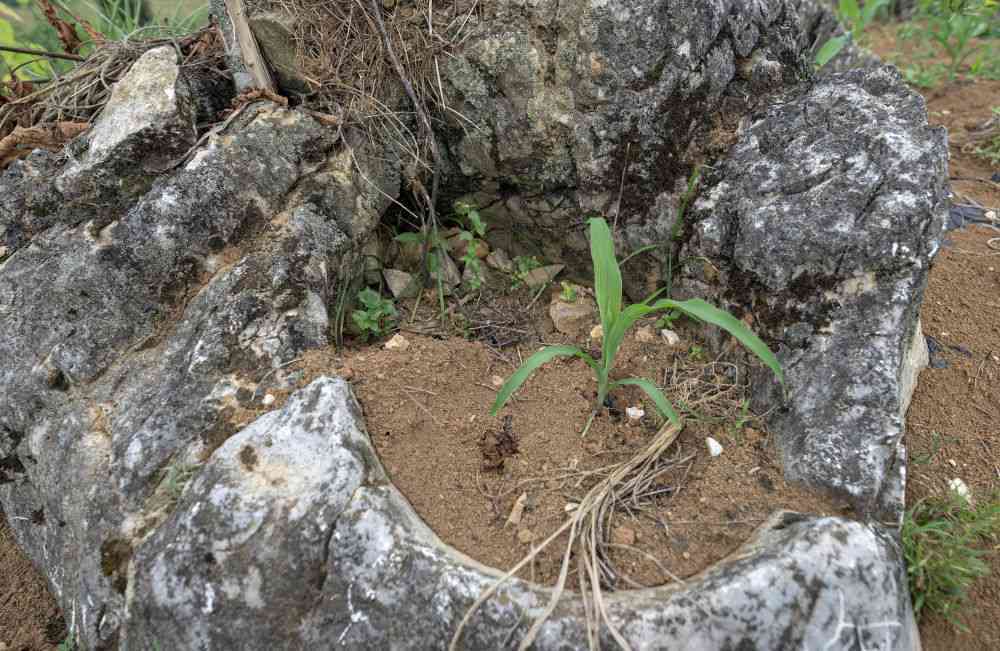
point(66, 31)
point(51, 136)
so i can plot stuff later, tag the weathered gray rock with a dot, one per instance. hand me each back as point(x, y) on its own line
point(134, 340)
point(148, 123)
point(594, 107)
point(823, 221)
point(291, 537)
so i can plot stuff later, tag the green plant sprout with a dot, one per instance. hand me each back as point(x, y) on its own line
point(568, 293)
point(378, 316)
point(857, 19)
point(524, 265)
point(615, 321)
point(469, 218)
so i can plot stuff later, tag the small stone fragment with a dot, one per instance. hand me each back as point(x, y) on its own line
point(496, 381)
point(267, 400)
point(960, 488)
point(525, 536)
point(634, 413)
point(570, 507)
point(597, 332)
point(714, 447)
point(448, 270)
point(645, 335)
point(571, 318)
point(517, 511)
point(397, 342)
point(952, 463)
point(400, 283)
point(542, 275)
point(670, 337)
point(498, 259)
point(623, 536)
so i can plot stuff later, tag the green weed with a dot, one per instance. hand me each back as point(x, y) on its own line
point(523, 265)
point(473, 226)
point(954, 25)
point(568, 293)
point(856, 18)
point(991, 149)
point(943, 543)
point(615, 322)
point(377, 316)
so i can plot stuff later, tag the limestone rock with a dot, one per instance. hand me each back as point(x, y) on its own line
point(826, 214)
point(134, 332)
point(542, 275)
point(400, 283)
point(357, 557)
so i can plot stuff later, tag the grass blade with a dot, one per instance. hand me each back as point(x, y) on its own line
point(705, 311)
point(607, 275)
point(654, 393)
point(531, 365)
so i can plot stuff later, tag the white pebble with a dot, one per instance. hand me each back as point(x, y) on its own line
point(596, 332)
point(634, 413)
point(960, 488)
point(398, 342)
point(714, 447)
point(671, 337)
point(267, 400)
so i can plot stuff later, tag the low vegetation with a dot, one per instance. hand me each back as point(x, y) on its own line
point(945, 540)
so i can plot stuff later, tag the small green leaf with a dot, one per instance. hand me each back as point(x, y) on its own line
point(530, 365)
point(830, 49)
point(660, 400)
point(409, 238)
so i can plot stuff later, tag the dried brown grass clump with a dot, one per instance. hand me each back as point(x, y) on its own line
point(348, 60)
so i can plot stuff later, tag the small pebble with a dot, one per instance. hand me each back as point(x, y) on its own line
point(686, 556)
point(634, 413)
point(397, 342)
point(570, 507)
point(952, 463)
point(597, 332)
point(714, 447)
point(645, 335)
point(268, 400)
point(670, 337)
point(623, 536)
point(496, 381)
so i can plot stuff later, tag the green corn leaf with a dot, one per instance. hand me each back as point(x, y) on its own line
point(613, 338)
point(705, 311)
point(830, 49)
point(849, 11)
point(660, 400)
point(530, 365)
point(607, 276)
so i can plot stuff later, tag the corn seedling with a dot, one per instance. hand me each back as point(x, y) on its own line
point(616, 321)
point(568, 292)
